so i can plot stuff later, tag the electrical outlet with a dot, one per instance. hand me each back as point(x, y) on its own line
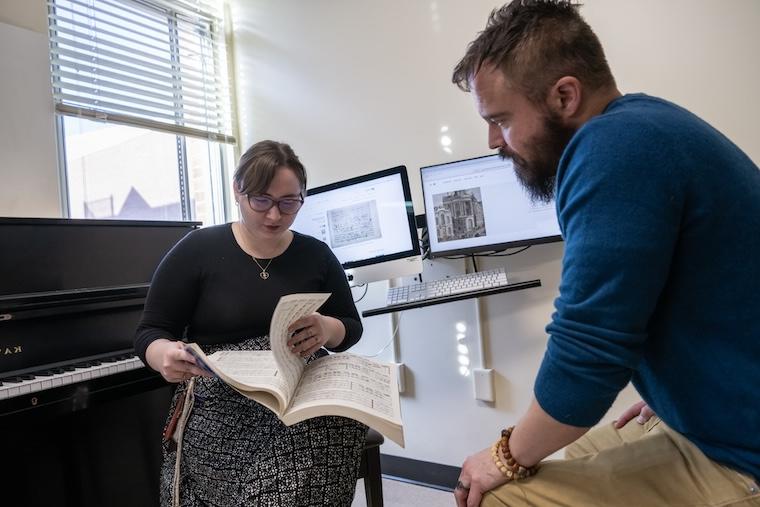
point(482, 379)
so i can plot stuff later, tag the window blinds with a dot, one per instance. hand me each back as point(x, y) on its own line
point(156, 64)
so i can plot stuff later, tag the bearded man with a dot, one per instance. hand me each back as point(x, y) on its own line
point(660, 214)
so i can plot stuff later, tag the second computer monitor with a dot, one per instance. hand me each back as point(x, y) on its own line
point(368, 222)
point(478, 205)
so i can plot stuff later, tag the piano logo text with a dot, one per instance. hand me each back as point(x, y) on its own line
point(7, 351)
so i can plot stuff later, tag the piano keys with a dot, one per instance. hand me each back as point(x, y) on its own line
point(59, 376)
point(71, 388)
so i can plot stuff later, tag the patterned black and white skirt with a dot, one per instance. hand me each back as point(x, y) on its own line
point(236, 452)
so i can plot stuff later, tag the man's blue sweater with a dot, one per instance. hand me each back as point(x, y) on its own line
point(660, 278)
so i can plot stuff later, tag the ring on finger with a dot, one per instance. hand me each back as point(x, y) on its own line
point(460, 485)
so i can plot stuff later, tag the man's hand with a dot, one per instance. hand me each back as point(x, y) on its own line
point(640, 411)
point(479, 475)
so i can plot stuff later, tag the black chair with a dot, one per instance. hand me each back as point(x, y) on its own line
point(370, 469)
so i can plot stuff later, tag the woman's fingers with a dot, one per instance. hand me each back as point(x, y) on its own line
point(179, 365)
point(312, 349)
point(182, 374)
point(309, 338)
point(307, 346)
point(303, 322)
point(309, 334)
point(300, 336)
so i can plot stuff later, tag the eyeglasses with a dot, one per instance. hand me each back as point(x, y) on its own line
point(287, 206)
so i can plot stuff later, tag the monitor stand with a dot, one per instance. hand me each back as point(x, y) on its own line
point(384, 271)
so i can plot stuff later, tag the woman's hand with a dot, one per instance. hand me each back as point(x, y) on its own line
point(640, 411)
point(479, 475)
point(172, 361)
point(312, 332)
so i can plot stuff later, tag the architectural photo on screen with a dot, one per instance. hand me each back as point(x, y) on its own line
point(478, 205)
point(459, 214)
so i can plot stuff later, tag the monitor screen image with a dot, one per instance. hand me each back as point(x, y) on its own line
point(368, 222)
point(478, 205)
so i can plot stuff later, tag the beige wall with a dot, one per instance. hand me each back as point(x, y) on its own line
point(29, 14)
point(702, 54)
point(28, 162)
point(29, 183)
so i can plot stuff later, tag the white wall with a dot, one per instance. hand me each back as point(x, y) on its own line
point(359, 85)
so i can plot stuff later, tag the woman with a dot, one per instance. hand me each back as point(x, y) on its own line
point(218, 287)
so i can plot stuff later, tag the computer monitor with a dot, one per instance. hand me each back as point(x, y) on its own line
point(478, 205)
point(368, 222)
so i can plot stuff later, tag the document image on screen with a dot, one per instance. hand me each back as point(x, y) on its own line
point(368, 223)
point(459, 214)
point(354, 224)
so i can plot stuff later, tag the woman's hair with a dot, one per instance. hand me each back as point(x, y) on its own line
point(258, 165)
point(535, 43)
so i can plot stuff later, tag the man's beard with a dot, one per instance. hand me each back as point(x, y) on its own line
point(539, 174)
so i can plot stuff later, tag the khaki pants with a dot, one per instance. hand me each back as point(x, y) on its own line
point(646, 465)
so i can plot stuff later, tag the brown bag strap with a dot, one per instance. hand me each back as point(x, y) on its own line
point(184, 413)
point(171, 427)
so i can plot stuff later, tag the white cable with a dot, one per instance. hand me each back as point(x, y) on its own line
point(393, 337)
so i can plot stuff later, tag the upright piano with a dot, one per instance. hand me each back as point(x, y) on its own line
point(80, 415)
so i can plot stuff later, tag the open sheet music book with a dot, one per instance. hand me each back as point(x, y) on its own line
point(339, 384)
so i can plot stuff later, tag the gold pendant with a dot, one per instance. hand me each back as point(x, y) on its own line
point(264, 275)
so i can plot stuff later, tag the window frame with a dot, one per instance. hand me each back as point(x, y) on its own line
point(220, 194)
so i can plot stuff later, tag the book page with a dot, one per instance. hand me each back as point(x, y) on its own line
point(254, 368)
point(289, 309)
point(352, 381)
point(246, 371)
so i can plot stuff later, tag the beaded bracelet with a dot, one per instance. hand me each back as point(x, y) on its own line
point(512, 469)
point(497, 460)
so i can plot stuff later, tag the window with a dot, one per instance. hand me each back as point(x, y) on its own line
point(144, 115)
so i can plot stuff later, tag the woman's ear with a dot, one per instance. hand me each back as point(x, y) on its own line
point(236, 191)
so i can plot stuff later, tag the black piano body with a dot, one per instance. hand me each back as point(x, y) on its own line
point(80, 416)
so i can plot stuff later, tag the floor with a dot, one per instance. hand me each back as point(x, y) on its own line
point(403, 494)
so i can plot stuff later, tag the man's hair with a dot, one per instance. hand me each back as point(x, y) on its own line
point(258, 165)
point(536, 42)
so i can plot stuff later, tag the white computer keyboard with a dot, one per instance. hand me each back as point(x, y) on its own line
point(447, 287)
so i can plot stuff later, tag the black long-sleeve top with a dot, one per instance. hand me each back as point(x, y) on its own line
point(209, 290)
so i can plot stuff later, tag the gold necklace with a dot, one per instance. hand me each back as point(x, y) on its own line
point(264, 275)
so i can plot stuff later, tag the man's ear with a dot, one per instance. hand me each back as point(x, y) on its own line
point(565, 97)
